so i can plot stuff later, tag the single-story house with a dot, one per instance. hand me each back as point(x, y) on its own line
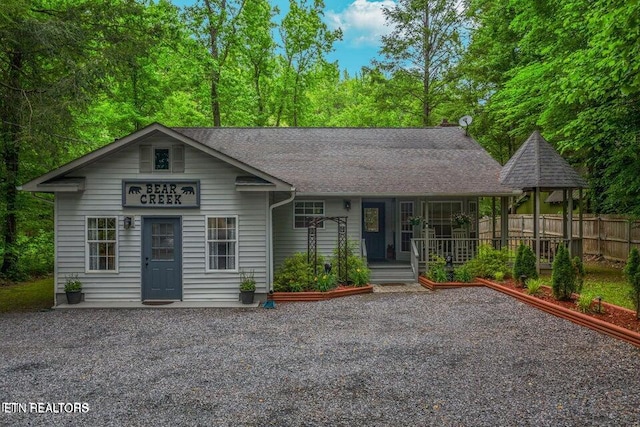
point(179, 213)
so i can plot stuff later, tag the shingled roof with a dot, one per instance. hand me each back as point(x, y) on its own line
point(538, 165)
point(371, 161)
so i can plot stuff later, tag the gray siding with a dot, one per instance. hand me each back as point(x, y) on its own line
point(288, 240)
point(102, 197)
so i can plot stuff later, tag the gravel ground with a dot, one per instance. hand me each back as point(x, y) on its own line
point(448, 358)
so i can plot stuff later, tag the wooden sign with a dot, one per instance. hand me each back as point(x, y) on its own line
point(161, 194)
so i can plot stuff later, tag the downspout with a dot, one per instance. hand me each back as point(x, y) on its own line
point(270, 236)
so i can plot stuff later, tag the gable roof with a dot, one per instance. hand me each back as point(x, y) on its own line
point(537, 164)
point(56, 180)
point(367, 161)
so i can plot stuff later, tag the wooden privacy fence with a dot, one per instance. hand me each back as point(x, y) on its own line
point(609, 236)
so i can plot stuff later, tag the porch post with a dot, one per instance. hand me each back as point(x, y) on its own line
point(536, 228)
point(493, 220)
point(570, 222)
point(580, 218)
point(504, 220)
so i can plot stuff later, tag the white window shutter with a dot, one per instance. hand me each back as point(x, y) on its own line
point(145, 158)
point(177, 159)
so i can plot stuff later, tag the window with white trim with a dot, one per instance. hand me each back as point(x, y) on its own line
point(305, 210)
point(102, 243)
point(222, 243)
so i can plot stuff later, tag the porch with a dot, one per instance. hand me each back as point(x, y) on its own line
point(423, 250)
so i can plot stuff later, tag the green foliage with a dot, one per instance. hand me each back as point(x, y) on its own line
point(247, 281)
point(525, 263)
point(533, 286)
point(499, 276)
point(296, 274)
point(325, 282)
point(489, 262)
point(462, 274)
point(584, 302)
point(562, 275)
point(579, 271)
point(357, 271)
point(435, 271)
point(36, 253)
point(632, 273)
point(72, 284)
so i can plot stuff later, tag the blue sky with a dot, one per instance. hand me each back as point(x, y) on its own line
point(362, 24)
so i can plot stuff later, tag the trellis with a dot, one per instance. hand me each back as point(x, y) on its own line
point(312, 245)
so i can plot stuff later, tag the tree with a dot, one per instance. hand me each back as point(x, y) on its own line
point(421, 48)
point(215, 23)
point(305, 42)
point(632, 272)
point(562, 275)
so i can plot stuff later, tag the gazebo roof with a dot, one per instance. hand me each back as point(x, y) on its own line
point(537, 164)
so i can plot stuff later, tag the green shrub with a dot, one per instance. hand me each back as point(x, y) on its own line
point(498, 276)
point(533, 286)
point(488, 262)
point(325, 282)
point(435, 271)
point(632, 272)
point(584, 302)
point(295, 274)
point(357, 271)
point(562, 276)
point(35, 254)
point(517, 263)
point(579, 272)
point(525, 263)
point(462, 274)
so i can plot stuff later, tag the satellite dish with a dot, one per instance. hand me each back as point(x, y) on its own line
point(465, 121)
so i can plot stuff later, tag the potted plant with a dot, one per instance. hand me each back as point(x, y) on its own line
point(460, 220)
point(73, 289)
point(247, 287)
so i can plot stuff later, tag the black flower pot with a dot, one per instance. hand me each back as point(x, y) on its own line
point(247, 297)
point(74, 297)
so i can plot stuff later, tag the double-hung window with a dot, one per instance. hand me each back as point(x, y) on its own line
point(102, 242)
point(304, 211)
point(222, 243)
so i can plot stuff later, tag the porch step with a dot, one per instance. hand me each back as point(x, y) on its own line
point(391, 274)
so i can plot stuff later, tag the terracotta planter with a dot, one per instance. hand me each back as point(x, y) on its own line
point(573, 316)
point(426, 283)
point(319, 296)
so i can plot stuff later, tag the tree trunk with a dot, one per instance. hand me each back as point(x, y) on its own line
point(10, 157)
point(426, 77)
point(215, 99)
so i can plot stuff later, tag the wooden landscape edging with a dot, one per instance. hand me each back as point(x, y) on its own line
point(319, 296)
point(426, 283)
point(573, 316)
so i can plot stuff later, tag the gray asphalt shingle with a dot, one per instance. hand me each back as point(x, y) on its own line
point(538, 164)
point(429, 161)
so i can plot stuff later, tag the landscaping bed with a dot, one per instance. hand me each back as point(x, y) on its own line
point(340, 291)
point(615, 321)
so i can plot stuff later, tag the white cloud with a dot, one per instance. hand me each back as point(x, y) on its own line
point(362, 22)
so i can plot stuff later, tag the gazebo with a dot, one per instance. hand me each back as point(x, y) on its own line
point(536, 167)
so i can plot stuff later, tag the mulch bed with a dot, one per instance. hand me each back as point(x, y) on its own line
point(340, 291)
point(613, 314)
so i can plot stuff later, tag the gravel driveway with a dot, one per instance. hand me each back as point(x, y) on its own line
point(456, 357)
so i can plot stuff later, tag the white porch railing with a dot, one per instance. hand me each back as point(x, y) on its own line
point(464, 249)
point(415, 259)
point(363, 252)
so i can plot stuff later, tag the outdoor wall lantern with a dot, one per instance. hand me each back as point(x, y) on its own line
point(128, 222)
point(347, 204)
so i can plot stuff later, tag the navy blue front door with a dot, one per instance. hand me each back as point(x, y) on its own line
point(373, 229)
point(161, 259)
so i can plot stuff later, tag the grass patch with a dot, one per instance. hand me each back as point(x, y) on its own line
point(28, 296)
point(606, 281)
